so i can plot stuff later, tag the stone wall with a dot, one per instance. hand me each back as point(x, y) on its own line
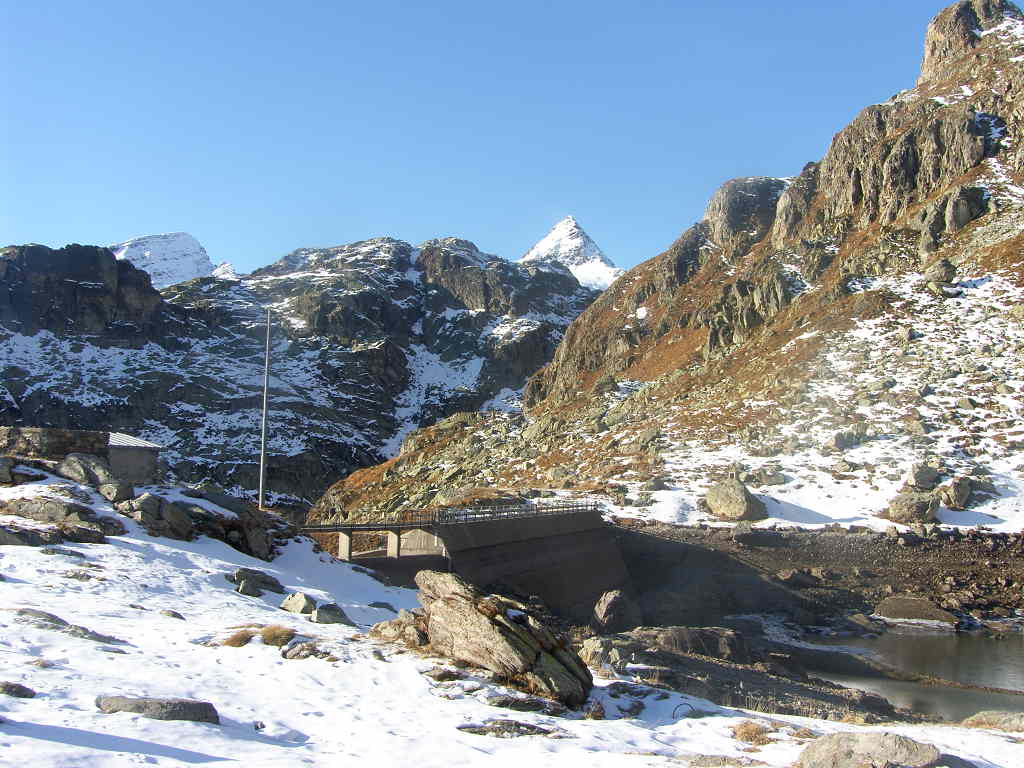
point(51, 443)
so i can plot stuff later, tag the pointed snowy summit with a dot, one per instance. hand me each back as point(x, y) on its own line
point(169, 258)
point(569, 246)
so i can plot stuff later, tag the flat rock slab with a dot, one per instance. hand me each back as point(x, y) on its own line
point(915, 608)
point(45, 620)
point(855, 750)
point(160, 709)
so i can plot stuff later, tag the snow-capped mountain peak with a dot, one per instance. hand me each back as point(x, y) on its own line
point(568, 245)
point(169, 258)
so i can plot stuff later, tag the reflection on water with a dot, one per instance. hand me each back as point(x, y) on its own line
point(945, 703)
point(965, 658)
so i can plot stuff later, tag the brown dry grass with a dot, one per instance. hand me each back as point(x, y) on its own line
point(276, 635)
point(240, 638)
point(752, 733)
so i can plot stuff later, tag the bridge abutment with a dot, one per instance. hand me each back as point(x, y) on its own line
point(344, 545)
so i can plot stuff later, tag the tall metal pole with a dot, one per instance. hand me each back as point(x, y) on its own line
point(263, 436)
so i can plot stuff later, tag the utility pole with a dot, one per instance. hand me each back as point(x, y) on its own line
point(263, 436)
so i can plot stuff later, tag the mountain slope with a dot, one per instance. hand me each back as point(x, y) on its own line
point(817, 336)
point(568, 246)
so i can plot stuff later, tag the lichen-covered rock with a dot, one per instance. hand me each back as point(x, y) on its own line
point(996, 720)
point(730, 500)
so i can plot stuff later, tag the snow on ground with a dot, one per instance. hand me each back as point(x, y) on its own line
point(964, 346)
point(371, 704)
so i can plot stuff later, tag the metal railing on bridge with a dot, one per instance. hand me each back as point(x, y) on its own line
point(459, 516)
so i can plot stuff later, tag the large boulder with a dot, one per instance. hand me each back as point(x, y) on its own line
point(730, 500)
point(87, 469)
point(255, 578)
point(875, 750)
point(6, 465)
point(615, 611)
point(903, 607)
point(910, 507)
point(159, 516)
point(501, 635)
point(668, 643)
point(160, 709)
point(330, 613)
point(298, 602)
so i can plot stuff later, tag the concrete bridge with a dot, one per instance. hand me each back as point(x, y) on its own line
point(562, 551)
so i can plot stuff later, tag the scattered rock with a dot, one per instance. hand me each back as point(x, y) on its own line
point(383, 605)
point(45, 620)
point(160, 709)
point(912, 507)
point(922, 476)
point(616, 612)
point(857, 750)
point(17, 690)
point(509, 729)
point(298, 602)
point(6, 465)
point(797, 578)
point(919, 608)
point(955, 493)
point(330, 613)
point(407, 627)
point(116, 492)
point(159, 516)
point(171, 614)
point(259, 579)
point(248, 587)
point(730, 500)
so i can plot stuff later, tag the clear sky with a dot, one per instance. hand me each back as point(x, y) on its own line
point(262, 127)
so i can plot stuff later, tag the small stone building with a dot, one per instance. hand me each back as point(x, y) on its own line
point(132, 459)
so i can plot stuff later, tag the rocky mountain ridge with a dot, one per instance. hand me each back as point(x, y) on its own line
point(370, 340)
point(816, 336)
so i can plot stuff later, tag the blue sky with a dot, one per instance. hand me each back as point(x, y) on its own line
point(264, 127)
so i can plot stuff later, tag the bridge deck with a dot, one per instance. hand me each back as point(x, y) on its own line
point(446, 517)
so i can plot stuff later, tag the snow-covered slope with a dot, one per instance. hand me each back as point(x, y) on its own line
point(568, 245)
point(354, 703)
point(169, 258)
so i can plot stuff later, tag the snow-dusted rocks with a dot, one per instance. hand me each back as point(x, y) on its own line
point(568, 246)
point(848, 750)
point(169, 258)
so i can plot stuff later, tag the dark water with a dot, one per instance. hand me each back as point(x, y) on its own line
point(966, 658)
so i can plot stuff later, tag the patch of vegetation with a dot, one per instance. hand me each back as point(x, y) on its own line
point(752, 733)
point(276, 635)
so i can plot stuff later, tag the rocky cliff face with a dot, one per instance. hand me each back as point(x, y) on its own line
point(370, 340)
point(813, 335)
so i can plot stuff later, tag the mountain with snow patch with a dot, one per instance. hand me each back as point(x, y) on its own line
point(569, 246)
point(170, 258)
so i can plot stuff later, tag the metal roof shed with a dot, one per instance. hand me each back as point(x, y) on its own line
point(132, 459)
